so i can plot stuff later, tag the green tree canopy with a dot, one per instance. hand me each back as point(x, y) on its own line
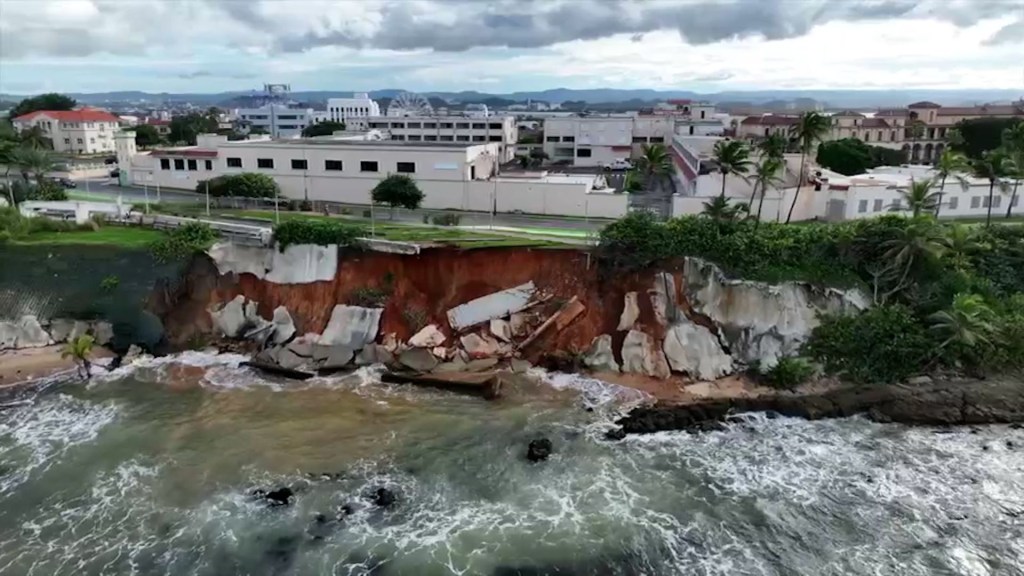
point(979, 135)
point(245, 185)
point(186, 128)
point(398, 190)
point(50, 101)
point(322, 129)
point(146, 136)
point(850, 156)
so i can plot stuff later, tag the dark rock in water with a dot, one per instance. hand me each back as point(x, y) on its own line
point(938, 404)
point(347, 510)
point(280, 497)
point(1017, 426)
point(384, 498)
point(615, 434)
point(1010, 444)
point(539, 450)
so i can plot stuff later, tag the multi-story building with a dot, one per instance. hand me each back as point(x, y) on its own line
point(83, 131)
point(355, 112)
point(278, 120)
point(457, 129)
point(920, 129)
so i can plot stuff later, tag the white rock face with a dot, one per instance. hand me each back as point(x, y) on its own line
point(429, 337)
point(26, 332)
point(630, 312)
point(763, 322)
point(298, 264)
point(284, 326)
point(663, 298)
point(599, 356)
point(640, 355)
point(230, 318)
point(352, 326)
point(693, 349)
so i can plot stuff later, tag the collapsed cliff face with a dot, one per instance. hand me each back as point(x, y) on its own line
point(468, 305)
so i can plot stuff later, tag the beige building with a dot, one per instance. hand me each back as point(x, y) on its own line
point(452, 129)
point(84, 131)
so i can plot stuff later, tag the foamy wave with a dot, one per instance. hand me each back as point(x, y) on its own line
point(595, 392)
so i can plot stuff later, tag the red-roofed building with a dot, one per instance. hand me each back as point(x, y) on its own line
point(163, 127)
point(82, 131)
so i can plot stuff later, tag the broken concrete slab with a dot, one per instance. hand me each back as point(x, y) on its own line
point(481, 364)
point(630, 312)
point(290, 360)
point(496, 305)
point(441, 352)
point(558, 321)
point(640, 355)
point(338, 357)
point(487, 385)
point(600, 357)
point(26, 332)
point(284, 326)
point(519, 324)
point(230, 318)
point(693, 349)
point(501, 329)
point(418, 359)
point(374, 354)
point(303, 345)
point(480, 345)
point(352, 326)
point(429, 337)
point(456, 365)
point(278, 370)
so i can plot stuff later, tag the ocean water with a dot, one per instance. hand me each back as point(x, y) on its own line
point(149, 469)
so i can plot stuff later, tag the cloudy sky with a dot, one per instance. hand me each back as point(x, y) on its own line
point(508, 45)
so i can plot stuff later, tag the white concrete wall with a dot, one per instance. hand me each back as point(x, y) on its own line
point(870, 201)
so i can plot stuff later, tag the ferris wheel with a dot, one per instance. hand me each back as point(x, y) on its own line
point(410, 104)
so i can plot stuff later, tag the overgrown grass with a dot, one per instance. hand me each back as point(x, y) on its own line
point(131, 237)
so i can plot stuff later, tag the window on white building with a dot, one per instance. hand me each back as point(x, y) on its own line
point(996, 201)
point(165, 164)
point(480, 138)
point(495, 125)
point(462, 125)
point(179, 163)
point(497, 138)
point(446, 138)
point(877, 206)
point(430, 138)
point(430, 125)
point(193, 164)
point(67, 140)
point(551, 139)
point(209, 164)
point(80, 141)
point(299, 164)
point(639, 140)
point(984, 201)
point(415, 137)
point(333, 165)
point(862, 206)
point(462, 138)
point(234, 162)
point(447, 125)
point(415, 125)
point(266, 163)
point(406, 167)
point(975, 201)
point(367, 166)
point(953, 202)
point(479, 126)
point(583, 153)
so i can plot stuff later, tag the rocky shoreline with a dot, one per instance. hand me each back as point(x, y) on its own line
point(943, 403)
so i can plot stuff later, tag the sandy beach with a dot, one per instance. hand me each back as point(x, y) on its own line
point(25, 365)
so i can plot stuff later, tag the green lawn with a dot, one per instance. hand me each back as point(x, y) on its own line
point(130, 237)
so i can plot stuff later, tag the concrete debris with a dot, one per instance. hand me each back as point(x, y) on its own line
point(480, 346)
point(481, 364)
point(520, 366)
point(303, 345)
point(496, 305)
point(374, 354)
point(230, 318)
point(600, 357)
point(284, 326)
point(501, 329)
point(352, 326)
point(60, 329)
point(640, 355)
point(519, 324)
point(102, 332)
point(456, 365)
point(630, 312)
point(441, 352)
point(693, 349)
point(429, 337)
point(559, 320)
point(390, 342)
point(27, 332)
point(289, 360)
point(418, 359)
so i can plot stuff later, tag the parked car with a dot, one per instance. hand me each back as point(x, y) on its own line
point(67, 183)
point(617, 164)
point(115, 173)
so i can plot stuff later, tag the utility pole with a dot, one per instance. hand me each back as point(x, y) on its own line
point(207, 198)
point(145, 190)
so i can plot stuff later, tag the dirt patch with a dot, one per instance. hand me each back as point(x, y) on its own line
point(21, 366)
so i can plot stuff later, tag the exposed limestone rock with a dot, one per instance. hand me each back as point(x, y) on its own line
point(599, 356)
point(60, 329)
point(763, 322)
point(80, 327)
point(8, 335)
point(27, 332)
point(230, 318)
point(663, 298)
point(352, 326)
point(480, 346)
point(501, 329)
point(284, 326)
point(429, 337)
point(286, 358)
point(693, 349)
point(519, 324)
point(630, 312)
point(337, 357)
point(640, 355)
point(102, 332)
point(418, 359)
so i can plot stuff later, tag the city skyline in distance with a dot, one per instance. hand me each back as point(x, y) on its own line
point(211, 46)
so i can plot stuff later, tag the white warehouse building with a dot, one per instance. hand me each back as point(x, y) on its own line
point(355, 112)
point(457, 129)
point(278, 120)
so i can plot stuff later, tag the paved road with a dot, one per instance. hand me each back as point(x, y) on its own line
point(107, 188)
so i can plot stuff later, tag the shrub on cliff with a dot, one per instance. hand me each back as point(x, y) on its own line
point(883, 344)
point(319, 232)
point(245, 185)
point(183, 242)
point(788, 373)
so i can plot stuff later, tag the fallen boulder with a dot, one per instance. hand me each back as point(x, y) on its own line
point(384, 498)
point(374, 354)
point(418, 359)
point(334, 358)
point(352, 326)
point(230, 318)
point(558, 321)
point(284, 326)
point(428, 337)
point(663, 298)
point(539, 450)
point(599, 357)
point(641, 356)
point(279, 497)
point(501, 329)
point(693, 349)
point(630, 312)
point(480, 346)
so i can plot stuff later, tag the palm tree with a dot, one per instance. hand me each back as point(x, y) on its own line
point(959, 244)
point(992, 166)
point(967, 325)
point(919, 197)
point(773, 146)
point(632, 182)
point(33, 161)
point(719, 208)
point(35, 138)
point(79, 349)
point(950, 164)
point(920, 240)
point(809, 130)
point(1013, 141)
point(733, 157)
point(654, 163)
point(767, 174)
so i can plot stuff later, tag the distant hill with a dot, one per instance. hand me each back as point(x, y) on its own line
point(829, 98)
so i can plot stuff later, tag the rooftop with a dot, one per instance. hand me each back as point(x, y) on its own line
point(357, 143)
point(81, 115)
